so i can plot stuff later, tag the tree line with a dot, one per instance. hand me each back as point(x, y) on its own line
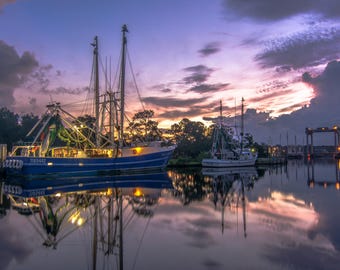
point(193, 138)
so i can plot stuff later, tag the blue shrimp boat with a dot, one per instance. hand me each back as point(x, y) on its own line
point(67, 145)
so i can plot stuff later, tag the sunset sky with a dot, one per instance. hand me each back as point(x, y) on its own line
point(283, 57)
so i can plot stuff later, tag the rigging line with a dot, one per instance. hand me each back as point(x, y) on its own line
point(80, 102)
point(36, 227)
point(71, 126)
point(108, 80)
point(77, 131)
point(141, 240)
point(104, 71)
point(134, 79)
point(129, 218)
point(70, 232)
point(109, 84)
point(88, 98)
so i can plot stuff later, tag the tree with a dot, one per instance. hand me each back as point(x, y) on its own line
point(143, 128)
point(9, 127)
point(191, 137)
point(27, 122)
point(248, 140)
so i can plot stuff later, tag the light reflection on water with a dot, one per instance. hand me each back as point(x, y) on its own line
point(282, 217)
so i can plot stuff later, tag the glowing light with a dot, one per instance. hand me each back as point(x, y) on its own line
point(337, 185)
point(138, 192)
point(49, 163)
point(74, 218)
point(137, 150)
point(80, 221)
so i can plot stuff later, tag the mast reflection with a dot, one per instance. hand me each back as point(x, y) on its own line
point(105, 205)
point(229, 187)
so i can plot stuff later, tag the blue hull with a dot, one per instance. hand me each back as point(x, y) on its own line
point(25, 187)
point(33, 166)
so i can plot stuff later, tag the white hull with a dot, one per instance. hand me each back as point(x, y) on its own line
point(223, 163)
point(244, 170)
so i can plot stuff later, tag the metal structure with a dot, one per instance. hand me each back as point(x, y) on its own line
point(311, 131)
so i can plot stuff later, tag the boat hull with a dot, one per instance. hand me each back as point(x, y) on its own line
point(226, 163)
point(35, 166)
point(24, 187)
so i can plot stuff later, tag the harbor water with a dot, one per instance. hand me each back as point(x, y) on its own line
point(276, 217)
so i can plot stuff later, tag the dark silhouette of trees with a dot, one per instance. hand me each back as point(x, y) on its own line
point(143, 128)
point(14, 127)
point(192, 138)
point(9, 123)
point(27, 121)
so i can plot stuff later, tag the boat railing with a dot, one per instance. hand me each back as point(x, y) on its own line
point(25, 150)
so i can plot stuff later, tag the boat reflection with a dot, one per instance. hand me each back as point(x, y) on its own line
point(229, 186)
point(105, 205)
point(324, 176)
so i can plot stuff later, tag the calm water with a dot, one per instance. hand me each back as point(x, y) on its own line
point(271, 218)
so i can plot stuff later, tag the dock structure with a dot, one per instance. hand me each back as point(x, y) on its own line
point(310, 143)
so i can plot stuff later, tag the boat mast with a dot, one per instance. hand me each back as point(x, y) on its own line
point(244, 209)
point(122, 85)
point(96, 87)
point(242, 123)
point(221, 132)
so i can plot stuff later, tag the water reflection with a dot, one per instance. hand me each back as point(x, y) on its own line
point(184, 218)
point(319, 177)
point(228, 188)
point(58, 208)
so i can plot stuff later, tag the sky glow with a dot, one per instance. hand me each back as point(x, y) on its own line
point(186, 57)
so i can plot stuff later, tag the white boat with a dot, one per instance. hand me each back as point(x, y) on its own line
point(86, 148)
point(226, 151)
point(244, 172)
point(229, 185)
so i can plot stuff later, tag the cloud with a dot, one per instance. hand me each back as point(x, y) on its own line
point(209, 49)
point(170, 102)
point(305, 49)
point(199, 74)
point(180, 114)
point(5, 2)
point(326, 85)
point(12, 246)
point(166, 90)
point(292, 107)
point(275, 94)
point(39, 78)
point(273, 85)
point(193, 110)
point(14, 71)
point(212, 264)
point(206, 88)
point(301, 255)
point(265, 10)
point(174, 108)
point(63, 90)
point(323, 110)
